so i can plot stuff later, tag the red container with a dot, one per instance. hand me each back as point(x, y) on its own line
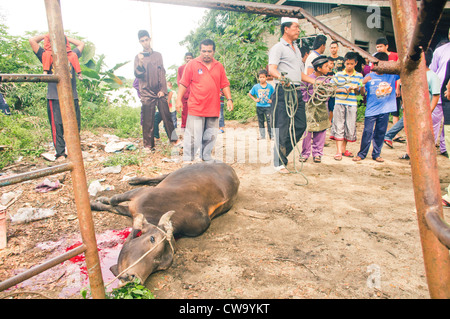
point(2, 227)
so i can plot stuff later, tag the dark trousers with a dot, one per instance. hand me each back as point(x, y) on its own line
point(56, 124)
point(148, 120)
point(284, 127)
point(264, 115)
point(373, 135)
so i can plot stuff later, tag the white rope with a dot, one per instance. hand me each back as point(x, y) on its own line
point(144, 255)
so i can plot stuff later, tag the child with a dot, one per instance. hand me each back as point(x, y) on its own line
point(345, 109)
point(261, 93)
point(434, 90)
point(381, 101)
point(317, 115)
point(47, 58)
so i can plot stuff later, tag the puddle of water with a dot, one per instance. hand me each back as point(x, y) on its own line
point(72, 274)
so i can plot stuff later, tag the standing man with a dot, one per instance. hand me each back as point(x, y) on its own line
point(319, 47)
point(205, 77)
point(184, 112)
point(285, 56)
point(439, 66)
point(149, 69)
point(338, 60)
point(53, 107)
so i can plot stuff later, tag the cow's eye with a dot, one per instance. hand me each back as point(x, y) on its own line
point(152, 239)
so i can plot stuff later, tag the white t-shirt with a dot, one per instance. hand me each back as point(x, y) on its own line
point(309, 59)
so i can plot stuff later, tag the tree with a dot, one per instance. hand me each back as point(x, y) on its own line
point(240, 45)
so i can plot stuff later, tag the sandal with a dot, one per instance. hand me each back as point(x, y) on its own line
point(338, 157)
point(357, 159)
point(404, 156)
point(379, 159)
point(347, 153)
point(302, 159)
point(317, 159)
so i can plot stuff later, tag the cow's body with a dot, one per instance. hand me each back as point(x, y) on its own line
point(193, 195)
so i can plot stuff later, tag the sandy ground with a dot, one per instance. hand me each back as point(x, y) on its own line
point(328, 230)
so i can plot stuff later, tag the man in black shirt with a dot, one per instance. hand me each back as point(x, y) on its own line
point(53, 107)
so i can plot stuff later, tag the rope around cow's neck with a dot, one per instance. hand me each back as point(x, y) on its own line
point(144, 255)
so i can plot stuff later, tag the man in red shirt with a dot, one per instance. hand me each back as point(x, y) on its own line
point(184, 112)
point(205, 77)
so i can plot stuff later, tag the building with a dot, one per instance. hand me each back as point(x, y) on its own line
point(361, 22)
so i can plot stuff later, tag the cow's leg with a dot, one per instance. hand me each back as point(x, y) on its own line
point(152, 181)
point(119, 209)
point(127, 196)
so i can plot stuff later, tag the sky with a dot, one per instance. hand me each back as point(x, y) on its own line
point(112, 25)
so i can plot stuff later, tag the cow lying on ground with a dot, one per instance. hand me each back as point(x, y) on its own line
point(182, 203)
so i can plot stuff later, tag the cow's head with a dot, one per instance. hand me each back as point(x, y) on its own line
point(151, 251)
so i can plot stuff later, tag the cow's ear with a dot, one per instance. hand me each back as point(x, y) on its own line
point(166, 224)
point(114, 269)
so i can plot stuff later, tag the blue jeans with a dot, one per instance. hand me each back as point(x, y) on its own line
point(373, 135)
point(221, 118)
point(394, 130)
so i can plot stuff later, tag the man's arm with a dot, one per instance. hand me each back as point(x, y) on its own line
point(78, 43)
point(34, 42)
point(227, 93)
point(447, 93)
point(181, 90)
point(434, 102)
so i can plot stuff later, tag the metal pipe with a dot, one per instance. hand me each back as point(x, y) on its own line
point(72, 137)
point(271, 10)
point(428, 18)
point(41, 268)
point(18, 178)
point(418, 126)
point(47, 78)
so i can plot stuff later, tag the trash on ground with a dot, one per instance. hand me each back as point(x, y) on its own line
point(47, 186)
point(29, 214)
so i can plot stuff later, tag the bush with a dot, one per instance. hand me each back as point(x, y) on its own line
point(22, 136)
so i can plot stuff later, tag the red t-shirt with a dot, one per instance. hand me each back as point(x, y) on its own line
point(205, 86)
point(393, 56)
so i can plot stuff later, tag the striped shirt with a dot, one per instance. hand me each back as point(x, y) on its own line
point(355, 79)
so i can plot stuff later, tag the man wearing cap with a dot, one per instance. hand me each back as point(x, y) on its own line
point(149, 69)
point(285, 57)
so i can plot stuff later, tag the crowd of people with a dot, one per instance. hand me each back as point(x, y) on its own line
point(204, 91)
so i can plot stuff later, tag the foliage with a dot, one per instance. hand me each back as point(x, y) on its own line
point(123, 159)
point(240, 45)
point(132, 290)
point(23, 136)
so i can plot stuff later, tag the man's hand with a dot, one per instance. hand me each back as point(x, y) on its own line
point(230, 105)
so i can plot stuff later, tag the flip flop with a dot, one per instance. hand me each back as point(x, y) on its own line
point(338, 157)
point(347, 153)
point(356, 159)
point(317, 159)
point(379, 159)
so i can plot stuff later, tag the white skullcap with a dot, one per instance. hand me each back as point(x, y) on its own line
point(288, 19)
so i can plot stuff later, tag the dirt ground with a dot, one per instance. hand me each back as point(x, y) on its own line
point(329, 230)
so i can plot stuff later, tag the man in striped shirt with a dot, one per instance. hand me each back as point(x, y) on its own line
point(345, 109)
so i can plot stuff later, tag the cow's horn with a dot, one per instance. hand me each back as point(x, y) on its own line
point(139, 221)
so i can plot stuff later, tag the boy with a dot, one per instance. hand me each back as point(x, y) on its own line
point(47, 56)
point(381, 100)
point(261, 93)
point(317, 115)
point(345, 109)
